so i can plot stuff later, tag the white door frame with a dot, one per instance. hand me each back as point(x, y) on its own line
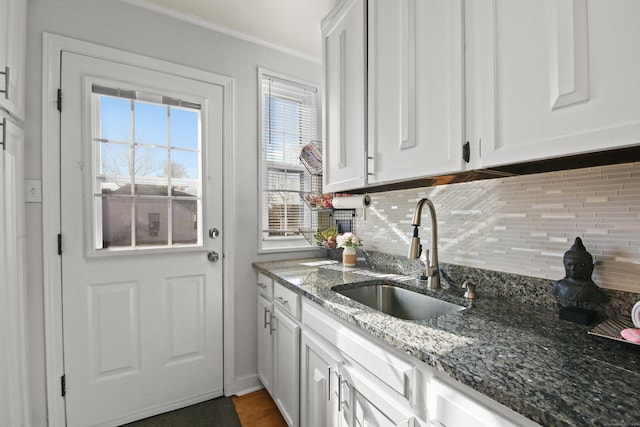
point(53, 45)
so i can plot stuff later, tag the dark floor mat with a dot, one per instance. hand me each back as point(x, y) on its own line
point(218, 412)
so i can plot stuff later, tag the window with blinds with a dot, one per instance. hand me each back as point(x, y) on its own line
point(288, 121)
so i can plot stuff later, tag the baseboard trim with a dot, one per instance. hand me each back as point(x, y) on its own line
point(245, 385)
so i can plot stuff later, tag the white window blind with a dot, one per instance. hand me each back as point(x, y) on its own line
point(288, 121)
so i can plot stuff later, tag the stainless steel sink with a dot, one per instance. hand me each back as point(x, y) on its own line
point(399, 302)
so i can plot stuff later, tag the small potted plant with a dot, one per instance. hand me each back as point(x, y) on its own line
point(348, 241)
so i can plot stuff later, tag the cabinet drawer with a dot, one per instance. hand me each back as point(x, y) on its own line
point(395, 372)
point(450, 407)
point(265, 286)
point(287, 300)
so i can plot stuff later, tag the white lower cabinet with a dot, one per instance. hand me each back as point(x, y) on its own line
point(377, 386)
point(323, 372)
point(336, 391)
point(286, 366)
point(319, 377)
point(265, 331)
point(265, 342)
point(279, 346)
point(348, 381)
point(367, 402)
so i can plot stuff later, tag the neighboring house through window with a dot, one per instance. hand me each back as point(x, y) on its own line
point(288, 121)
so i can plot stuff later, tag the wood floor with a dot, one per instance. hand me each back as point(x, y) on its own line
point(257, 409)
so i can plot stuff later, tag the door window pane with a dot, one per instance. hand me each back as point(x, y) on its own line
point(185, 221)
point(153, 178)
point(184, 124)
point(151, 164)
point(114, 113)
point(152, 221)
point(115, 218)
point(115, 160)
point(184, 164)
point(151, 123)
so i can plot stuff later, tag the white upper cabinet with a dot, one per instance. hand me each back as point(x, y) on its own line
point(521, 81)
point(344, 49)
point(552, 78)
point(415, 88)
point(13, 16)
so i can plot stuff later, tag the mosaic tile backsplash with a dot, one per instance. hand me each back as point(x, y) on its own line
point(522, 225)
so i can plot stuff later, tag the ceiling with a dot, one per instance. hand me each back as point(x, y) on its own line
point(291, 25)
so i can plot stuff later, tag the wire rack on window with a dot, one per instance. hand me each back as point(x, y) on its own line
point(325, 220)
point(329, 221)
point(311, 157)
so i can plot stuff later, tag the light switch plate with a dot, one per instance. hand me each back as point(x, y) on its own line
point(33, 191)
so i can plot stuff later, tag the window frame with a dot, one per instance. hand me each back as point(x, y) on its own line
point(280, 243)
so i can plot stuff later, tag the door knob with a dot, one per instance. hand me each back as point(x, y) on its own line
point(213, 256)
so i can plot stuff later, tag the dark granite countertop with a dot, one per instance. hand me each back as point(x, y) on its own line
point(524, 357)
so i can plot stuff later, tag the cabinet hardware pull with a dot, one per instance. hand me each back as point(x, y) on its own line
point(265, 317)
point(282, 301)
point(261, 285)
point(339, 392)
point(4, 133)
point(466, 152)
point(6, 82)
point(271, 328)
point(329, 386)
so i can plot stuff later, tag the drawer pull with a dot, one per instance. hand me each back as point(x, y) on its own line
point(261, 285)
point(266, 310)
point(339, 392)
point(271, 328)
point(282, 301)
point(329, 385)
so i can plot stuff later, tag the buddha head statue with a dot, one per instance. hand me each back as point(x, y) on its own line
point(577, 284)
point(578, 263)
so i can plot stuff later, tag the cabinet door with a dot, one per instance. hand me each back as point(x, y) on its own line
point(265, 343)
point(13, 380)
point(415, 105)
point(286, 374)
point(344, 51)
point(318, 383)
point(368, 403)
point(554, 77)
point(13, 17)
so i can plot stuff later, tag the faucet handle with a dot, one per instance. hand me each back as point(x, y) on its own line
point(470, 292)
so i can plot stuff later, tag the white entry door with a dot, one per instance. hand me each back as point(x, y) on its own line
point(141, 186)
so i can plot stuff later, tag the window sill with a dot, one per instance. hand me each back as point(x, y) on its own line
point(287, 246)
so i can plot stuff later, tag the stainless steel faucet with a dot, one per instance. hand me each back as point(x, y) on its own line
point(432, 272)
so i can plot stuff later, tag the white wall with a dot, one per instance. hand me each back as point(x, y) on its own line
point(123, 26)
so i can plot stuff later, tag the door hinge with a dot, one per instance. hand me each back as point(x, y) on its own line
point(59, 100)
point(59, 244)
point(63, 385)
point(466, 152)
